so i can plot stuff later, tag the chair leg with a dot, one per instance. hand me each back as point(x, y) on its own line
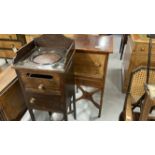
point(70, 106)
point(145, 109)
point(31, 114)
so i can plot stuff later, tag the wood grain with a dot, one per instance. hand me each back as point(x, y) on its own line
point(6, 77)
point(8, 36)
point(30, 37)
point(89, 64)
point(43, 93)
point(7, 53)
point(11, 99)
point(92, 43)
point(10, 44)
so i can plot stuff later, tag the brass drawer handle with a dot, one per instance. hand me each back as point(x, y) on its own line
point(142, 49)
point(10, 37)
point(32, 100)
point(14, 48)
point(12, 45)
point(41, 87)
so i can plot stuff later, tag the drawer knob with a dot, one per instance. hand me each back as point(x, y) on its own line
point(10, 37)
point(41, 87)
point(14, 49)
point(12, 45)
point(32, 100)
point(142, 49)
point(97, 64)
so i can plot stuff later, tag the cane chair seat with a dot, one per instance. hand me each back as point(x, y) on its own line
point(135, 91)
point(138, 81)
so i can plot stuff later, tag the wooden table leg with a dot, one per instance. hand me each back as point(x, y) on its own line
point(101, 103)
point(66, 116)
point(31, 114)
point(50, 113)
point(74, 105)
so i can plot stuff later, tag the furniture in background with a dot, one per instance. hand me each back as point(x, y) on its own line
point(135, 90)
point(135, 55)
point(9, 43)
point(90, 64)
point(30, 37)
point(12, 106)
point(124, 39)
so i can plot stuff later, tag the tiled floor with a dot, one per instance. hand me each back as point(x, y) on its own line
point(113, 98)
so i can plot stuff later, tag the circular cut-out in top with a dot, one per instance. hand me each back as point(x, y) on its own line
point(46, 58)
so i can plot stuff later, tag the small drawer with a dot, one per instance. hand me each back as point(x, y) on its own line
point(10, 44)
point(45, 102)
point(2, 54)
point(8, 36)
point(7, 54)
point(41, 82)
point(143, 48)
point(44, 90)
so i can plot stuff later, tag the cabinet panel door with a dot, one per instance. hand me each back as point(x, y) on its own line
point(12, 101)
point(89, 64)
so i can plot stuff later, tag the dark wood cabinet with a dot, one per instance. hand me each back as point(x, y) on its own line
point(49, 86)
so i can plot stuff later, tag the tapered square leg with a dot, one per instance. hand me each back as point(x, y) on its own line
point(31, 114)
point(74, 106)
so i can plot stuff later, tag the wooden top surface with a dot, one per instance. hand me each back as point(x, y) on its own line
point(140, 38)
point(7, 77)
point(90, 42)
point(94, 43)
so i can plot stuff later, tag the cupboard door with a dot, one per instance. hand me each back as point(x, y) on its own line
point(89, 64)
point(13, 102)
